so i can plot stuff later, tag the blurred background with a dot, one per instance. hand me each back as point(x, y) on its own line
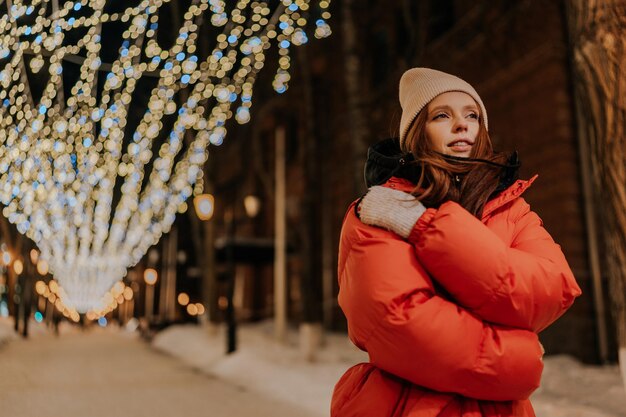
point(174, 175)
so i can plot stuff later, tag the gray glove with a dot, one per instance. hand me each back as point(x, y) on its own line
point(390, 209)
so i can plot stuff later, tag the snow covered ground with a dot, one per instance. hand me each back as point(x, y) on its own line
point(277, 372)
point(569, 388)
point(260, 364)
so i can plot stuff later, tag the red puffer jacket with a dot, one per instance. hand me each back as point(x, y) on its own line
point(450, 317)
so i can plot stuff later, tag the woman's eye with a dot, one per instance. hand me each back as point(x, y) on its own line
point(440, 116)
point(473, 116)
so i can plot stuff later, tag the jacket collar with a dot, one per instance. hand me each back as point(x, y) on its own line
point(385, 160)
point(506, 196)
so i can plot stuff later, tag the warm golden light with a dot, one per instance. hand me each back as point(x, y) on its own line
point(40, 287)
point(18, 266)
point(67, 150)
point(34, 256)
point(252, 205)
point(183, 299)
point(117, 289)
point(42, 267)
point(128, 293)
point(204, 205)
point(108, 298)
point(192, 309)
point(150, 276)
point(75, 316)
point(200, 308)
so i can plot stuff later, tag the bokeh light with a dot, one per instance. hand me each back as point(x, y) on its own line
point(62, 154)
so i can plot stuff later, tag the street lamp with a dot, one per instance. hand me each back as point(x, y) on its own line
point(150, 277)
point(252, 205)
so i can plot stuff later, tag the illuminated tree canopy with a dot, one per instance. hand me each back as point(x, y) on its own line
point(107, 110)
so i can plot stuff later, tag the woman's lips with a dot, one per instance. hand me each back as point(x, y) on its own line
point(460, 145)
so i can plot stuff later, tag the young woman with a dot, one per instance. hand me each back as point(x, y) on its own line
point(445, 274)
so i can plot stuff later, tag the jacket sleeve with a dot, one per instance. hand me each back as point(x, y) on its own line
point(525, 284)
point(394, 314)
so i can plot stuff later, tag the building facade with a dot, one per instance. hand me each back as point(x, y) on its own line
point(343, 98)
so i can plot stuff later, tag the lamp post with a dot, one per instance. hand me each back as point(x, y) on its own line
point(150, 277)
point(252, 205)
point(231, 323)
point(23, 290)
point(204, 205)
point(18, 291)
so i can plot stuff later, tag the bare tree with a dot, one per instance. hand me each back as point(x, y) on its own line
point(598, 37)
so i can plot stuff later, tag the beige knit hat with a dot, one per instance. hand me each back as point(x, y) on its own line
point(418, 86)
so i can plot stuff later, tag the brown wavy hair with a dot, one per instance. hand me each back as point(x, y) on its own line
point(467, 181)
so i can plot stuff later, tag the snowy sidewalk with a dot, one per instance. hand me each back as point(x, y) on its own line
point(262, 365)
point(276, 371)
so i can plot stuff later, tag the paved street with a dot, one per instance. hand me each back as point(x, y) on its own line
point(104, 373)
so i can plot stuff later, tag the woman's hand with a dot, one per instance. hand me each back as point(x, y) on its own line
point(390, 209)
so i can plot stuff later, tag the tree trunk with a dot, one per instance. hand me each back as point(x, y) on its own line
point(310, 229)
point(598, 37)
point(354, 95)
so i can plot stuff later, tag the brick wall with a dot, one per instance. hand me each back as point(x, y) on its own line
point(517, 60)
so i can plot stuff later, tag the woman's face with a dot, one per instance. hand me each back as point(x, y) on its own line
point(452, 124)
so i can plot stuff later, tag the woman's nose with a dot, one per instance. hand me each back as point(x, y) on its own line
point(460, 124)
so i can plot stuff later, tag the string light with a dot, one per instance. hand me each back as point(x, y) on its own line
point(113, 298)
point(18, 266)
point(64, 155)
point(56, 295)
